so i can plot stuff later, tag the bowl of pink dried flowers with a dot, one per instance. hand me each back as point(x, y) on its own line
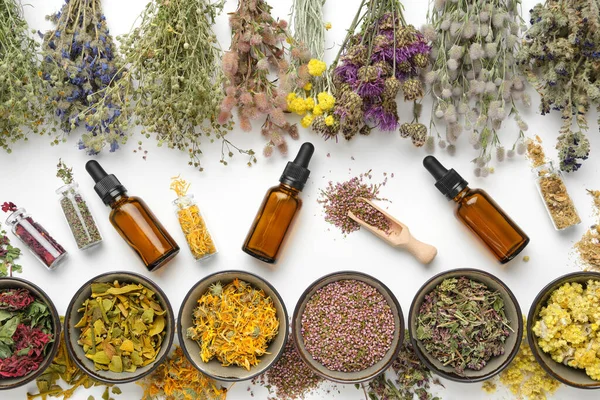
point(348, 327)
point(29, 332)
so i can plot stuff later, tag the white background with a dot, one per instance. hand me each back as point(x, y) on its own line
point(229, 197)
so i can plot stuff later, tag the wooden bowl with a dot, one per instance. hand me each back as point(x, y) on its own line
point(358, 376)
point(72, 334)
point(511, 308)
point(563, 373)
point(213, 368)
point(51, 349)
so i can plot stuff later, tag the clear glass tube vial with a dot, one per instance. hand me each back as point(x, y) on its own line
point(194, 228)
point(39, 242)
point(553, 191)
point(78, 216)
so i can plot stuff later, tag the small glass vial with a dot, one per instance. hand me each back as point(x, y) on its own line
point(194, 228)
point(78, 216)
point(552, 189)
point(36, 238)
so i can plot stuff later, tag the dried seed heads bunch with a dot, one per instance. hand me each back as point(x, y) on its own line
point(561, 57)
point(475, 80)
point(20, 103)
point(340, 197)
point(375, 63)
point(79, 61)
point(174, 56)
point(312, 98)
point(258, 45)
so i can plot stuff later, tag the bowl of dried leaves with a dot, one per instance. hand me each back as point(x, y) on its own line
point(119, 327)
point(233, 325)
point(29, 332)
point(563, 329)
point(465, 325)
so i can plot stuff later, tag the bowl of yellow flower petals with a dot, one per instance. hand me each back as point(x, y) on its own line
point(563, 329)
point(233, 325)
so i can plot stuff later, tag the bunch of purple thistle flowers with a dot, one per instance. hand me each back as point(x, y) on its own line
point(79, 60)
point(385, 57)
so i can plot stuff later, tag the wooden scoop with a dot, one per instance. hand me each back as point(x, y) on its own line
point(399, 236)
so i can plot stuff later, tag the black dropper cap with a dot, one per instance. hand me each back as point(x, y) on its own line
point(107, 186)
point(449, 182)
point(296, 172)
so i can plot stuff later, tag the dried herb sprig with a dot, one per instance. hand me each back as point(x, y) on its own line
point(258, 45)
point(64, 172)
point(174, 57)
point(410, 378)
point(561, 57)
point(80, 61)
point(21, 107)
point(63, 368)
point(588, 247)
point(462, 323)
point(8, 255)
point(381, 56)
point(176, 378)
point(475, 80)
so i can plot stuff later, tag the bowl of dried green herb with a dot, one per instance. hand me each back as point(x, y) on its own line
point(119, 327)
point(233, 325)
point(348, 327)
point(465, 325)
point(29, 332)
point(563, 329)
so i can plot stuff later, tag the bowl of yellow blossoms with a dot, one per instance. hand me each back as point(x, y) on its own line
point(233, 326)
point(563, 329)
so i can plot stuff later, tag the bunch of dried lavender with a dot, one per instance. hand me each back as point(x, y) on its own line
point(257, 46)
point(174, 57)
point(375, 63)
point(561, 57)
point(20, 105)
point(79, 61)
point(475, 80)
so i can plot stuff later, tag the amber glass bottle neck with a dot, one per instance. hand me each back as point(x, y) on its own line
point(461, 195)
point(118, 200)
point(288, 189)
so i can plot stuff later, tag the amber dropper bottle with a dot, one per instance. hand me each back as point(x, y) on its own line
point(476, 209)
point(134, 221)
point(278, 209)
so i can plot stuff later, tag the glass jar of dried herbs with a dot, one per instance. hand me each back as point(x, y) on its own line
point(552, 188)
point(78, 215)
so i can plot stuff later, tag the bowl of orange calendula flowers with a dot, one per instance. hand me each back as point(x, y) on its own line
point(563, 329)
point(233, 325)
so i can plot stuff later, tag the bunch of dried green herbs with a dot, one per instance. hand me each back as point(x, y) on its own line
point(173, 56)
point(8, 255)
point(381, 56)
point(80, 61)
point(260, 44)
point(561, 57)
point(475, 80)
point(63, 368)
point(20, 84)
point(408, 378)
point(451, 328)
